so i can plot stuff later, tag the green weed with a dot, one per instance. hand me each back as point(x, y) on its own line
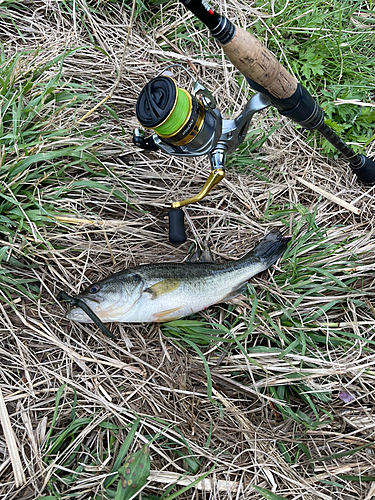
point(77, 445)
point(329, 46)
point(40, 159)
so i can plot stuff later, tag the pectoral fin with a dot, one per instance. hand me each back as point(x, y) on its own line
point(160, 317)
point(237, 290)
point(162, 287)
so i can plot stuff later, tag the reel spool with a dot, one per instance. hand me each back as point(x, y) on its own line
point(175, 115)
point(185, 123)
point(189, 124)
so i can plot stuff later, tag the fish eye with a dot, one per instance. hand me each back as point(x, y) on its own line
point(94, 288)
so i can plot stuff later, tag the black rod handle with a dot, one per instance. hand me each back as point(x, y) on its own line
point(365, 171)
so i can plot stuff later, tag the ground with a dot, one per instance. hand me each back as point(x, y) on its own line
point(269, 398)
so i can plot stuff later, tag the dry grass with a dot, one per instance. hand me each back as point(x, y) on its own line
point(145, 373)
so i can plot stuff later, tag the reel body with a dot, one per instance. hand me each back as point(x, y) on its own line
point(189, 124)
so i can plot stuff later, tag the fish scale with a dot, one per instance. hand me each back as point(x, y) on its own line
point(164, 292)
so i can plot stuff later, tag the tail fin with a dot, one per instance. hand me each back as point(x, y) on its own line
point(271, 247)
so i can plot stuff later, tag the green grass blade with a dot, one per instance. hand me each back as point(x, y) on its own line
point(268, 494)
point(122, 454)
point(134, 474)
point(186, 488)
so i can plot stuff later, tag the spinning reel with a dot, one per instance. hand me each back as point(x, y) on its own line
point(190, 124)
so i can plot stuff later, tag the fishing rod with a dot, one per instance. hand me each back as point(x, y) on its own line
point(189, 123)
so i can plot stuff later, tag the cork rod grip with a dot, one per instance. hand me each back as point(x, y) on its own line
point(256, 62)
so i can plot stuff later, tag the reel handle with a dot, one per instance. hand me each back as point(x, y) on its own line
point(177, 233)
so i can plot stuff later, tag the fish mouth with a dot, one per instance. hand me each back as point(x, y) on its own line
point(105, 313)
point(78, 314)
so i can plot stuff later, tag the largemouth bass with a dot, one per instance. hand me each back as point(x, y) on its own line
point(165, 292)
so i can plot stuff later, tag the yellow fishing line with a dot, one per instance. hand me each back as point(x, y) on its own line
point(178, 116)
